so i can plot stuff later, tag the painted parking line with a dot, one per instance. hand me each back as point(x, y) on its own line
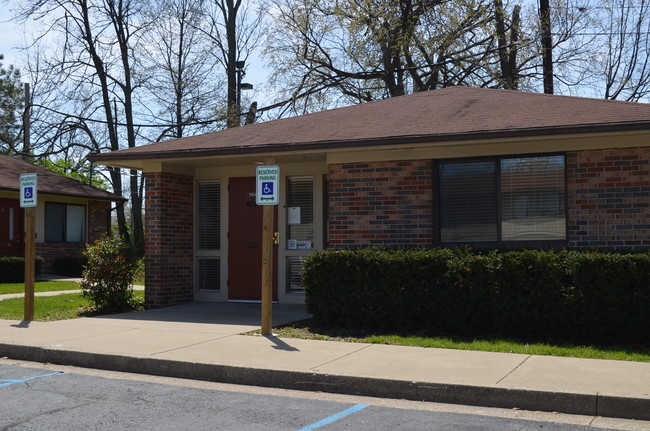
point(334, 418)
point(7, 382)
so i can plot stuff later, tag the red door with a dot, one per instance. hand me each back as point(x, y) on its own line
point(245, 243)
point(12, 221)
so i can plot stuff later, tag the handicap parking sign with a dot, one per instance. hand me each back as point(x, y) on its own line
point(267, 179)
point(28, 190)
point(267, 189)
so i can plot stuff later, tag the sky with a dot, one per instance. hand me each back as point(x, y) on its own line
point(12, 36)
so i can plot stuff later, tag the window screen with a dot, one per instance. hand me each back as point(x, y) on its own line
point(294, 272)
point(75, 223)
point(468, 209)
point(209, 215)
point(54, 222)
point(300, 213)
point(532, 198)
point(209, 274)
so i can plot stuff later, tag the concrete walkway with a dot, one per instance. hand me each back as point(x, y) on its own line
point(203, 341)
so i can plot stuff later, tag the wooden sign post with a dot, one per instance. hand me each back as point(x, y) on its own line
point(30, 262)
point(28, 201)
point(267, 194)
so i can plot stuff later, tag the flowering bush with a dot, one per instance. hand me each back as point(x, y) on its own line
point(108, 277)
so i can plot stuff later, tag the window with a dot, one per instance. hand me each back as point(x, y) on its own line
point(208, 241)
point(502, 200)
point(300, 213)
point(209, 215)
point(300, 227)
point(65, 222)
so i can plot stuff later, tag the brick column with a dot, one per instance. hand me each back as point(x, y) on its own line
point(99, 219)
point(169, 239)
point(609, 198)
point(381, 204)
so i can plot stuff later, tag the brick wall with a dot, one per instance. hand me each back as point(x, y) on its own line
point(380, 203)
point(99, 220)
point(609, 198)
point(169, 232)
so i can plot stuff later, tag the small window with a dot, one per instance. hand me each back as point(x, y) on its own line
point(300, 213)
point(65, 222)
point(468, 206)
point(294, 274)
point(209, 230)
point(518, 199)
point(209, 276)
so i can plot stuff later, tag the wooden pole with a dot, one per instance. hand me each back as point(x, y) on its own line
point(267, 270)
point(30, 261)
point(267, 266)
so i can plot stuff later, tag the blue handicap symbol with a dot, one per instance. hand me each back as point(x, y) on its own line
point(267, 189)
point(28, 193)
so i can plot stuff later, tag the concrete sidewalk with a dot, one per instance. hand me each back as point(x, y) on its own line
point(203, 341)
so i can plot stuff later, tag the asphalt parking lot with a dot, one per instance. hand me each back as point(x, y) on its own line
point(46, 398)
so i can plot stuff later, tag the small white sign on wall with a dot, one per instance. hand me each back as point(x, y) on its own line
point(293, 215)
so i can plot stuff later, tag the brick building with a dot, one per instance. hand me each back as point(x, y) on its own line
point(458, 166)
point(69, 214)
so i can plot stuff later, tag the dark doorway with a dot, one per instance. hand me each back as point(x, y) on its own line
point(245, 243)
point(12, 220)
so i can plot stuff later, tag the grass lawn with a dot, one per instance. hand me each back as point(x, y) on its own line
point(306, 330)
point(40, 286)
point(46, 308)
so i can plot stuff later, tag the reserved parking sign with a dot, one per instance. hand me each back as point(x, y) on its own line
point(28, 191)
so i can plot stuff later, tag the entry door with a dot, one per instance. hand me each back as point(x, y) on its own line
point(245, 243)
point(11, 227)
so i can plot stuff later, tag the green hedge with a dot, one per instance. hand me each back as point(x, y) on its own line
point(561, 296)
point(12, 268)
point(70, 266)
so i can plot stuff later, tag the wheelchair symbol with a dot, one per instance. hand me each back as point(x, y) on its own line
point(267, 189)
point(28, 193)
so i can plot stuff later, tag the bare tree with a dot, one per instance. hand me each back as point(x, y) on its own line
point(183, 82)
point(95, 64)
point(350, 51)
point(234, 28)
point(623, 28)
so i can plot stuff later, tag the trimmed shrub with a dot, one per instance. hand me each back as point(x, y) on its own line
point(12, 268)
point(552, 296)
point(71, 266)
point(108, 276)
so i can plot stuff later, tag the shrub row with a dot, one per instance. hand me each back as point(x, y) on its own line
point(71, 266)
point(12, 268)
point(552, 296)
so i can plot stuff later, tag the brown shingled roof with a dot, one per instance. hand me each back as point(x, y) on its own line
point(48, 182)
point(440, 115)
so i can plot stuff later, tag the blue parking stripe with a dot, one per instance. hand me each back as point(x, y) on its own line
point(8, 382)
point(334, 418)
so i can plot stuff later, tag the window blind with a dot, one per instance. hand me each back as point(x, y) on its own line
point(209, 215)
point(468, 208)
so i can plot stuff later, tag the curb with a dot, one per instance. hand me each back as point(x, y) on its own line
point(569, 403)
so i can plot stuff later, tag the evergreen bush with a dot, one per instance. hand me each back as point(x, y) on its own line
point(12, 268)
point(537, 295)
point(108, 276)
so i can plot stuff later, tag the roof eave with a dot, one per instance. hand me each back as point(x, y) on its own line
point(115, 198)
point(367, 142)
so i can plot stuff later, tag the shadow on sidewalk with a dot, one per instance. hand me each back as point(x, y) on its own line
point(220, 313)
